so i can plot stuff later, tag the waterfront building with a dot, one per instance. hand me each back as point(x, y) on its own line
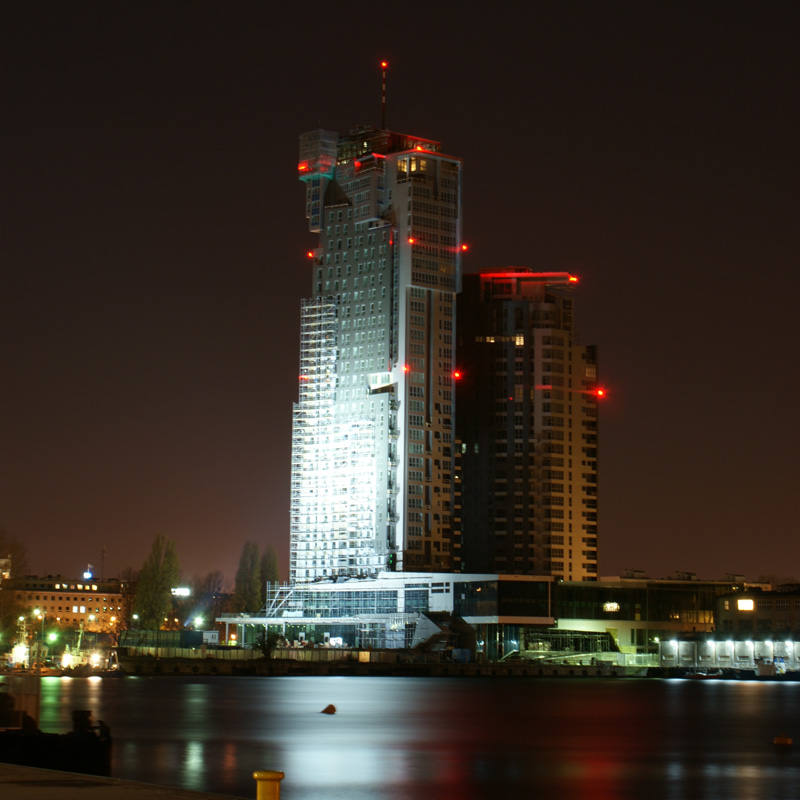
point(758, 612)
point(526, 427)
point(494, 616)
point(86, 603)
point(372, 472)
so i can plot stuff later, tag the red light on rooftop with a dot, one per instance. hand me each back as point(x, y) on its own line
point(573, 279)
point(302, 166)
point(457, 374)
point(464, 247)
point(600, 392)
point(384, 64)
point(310, 254)
point(411, 240)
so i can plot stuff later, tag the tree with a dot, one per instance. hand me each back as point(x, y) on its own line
point(209, 598)
point(269, 565)
point(158, 576)
point(252, 576)
point(10, 610)
point(248, 593)
point(129, 580)
point(14, 550)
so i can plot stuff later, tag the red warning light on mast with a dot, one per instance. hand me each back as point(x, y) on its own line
point(384, 64)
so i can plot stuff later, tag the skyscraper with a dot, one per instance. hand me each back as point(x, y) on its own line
point(372, 429)
point(527, 429)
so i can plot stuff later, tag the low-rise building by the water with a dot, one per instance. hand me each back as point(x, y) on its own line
point(492, 617)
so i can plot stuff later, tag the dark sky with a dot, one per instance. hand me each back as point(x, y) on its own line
point(153, 254)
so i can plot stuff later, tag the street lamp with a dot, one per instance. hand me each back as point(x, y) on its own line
point(39, 614)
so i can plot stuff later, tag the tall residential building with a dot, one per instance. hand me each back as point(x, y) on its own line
point(526, 428)
point(372, 429)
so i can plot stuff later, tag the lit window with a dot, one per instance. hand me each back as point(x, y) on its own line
point(744, 604)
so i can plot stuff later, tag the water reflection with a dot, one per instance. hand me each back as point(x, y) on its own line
point(407, 739)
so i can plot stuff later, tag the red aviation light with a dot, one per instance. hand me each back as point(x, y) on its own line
point(411, 240)
point(457, 374)
point(406, 368)
point(464, 248)
point(384, 64)
point(573, 279)
point(310, 254)
point(599, 392)
point(303, 166)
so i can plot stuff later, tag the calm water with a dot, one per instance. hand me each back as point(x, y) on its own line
point(415, 738)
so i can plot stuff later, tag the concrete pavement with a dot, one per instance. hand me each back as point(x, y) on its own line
point(30, 783)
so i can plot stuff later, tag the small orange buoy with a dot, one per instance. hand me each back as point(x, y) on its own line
point(329, 709)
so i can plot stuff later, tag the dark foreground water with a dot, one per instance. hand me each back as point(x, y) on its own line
point(432, 738)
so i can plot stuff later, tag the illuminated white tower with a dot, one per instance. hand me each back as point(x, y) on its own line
point(372, 458)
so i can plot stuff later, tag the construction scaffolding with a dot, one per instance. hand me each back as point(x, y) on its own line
point(333, 464)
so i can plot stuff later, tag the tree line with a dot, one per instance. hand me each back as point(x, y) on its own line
point(156, 607)
point(148, 602)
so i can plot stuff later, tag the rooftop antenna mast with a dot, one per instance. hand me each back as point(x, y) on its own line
point(384, 64)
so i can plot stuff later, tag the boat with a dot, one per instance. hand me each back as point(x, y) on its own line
point(704, 674)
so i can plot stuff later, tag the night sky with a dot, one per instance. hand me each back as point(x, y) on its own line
point(153, 254)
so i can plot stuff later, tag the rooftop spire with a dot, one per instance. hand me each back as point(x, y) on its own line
point(384, 64)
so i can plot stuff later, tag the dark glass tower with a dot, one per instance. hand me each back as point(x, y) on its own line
point(526, 427)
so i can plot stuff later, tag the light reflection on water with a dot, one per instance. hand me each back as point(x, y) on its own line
point(413, 738)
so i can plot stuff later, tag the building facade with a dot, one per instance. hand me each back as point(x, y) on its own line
point(53, 601)
point(756, 612)
point(526, 489)
point(372, 458)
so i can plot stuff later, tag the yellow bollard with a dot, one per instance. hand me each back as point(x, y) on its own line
point(269, 784)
